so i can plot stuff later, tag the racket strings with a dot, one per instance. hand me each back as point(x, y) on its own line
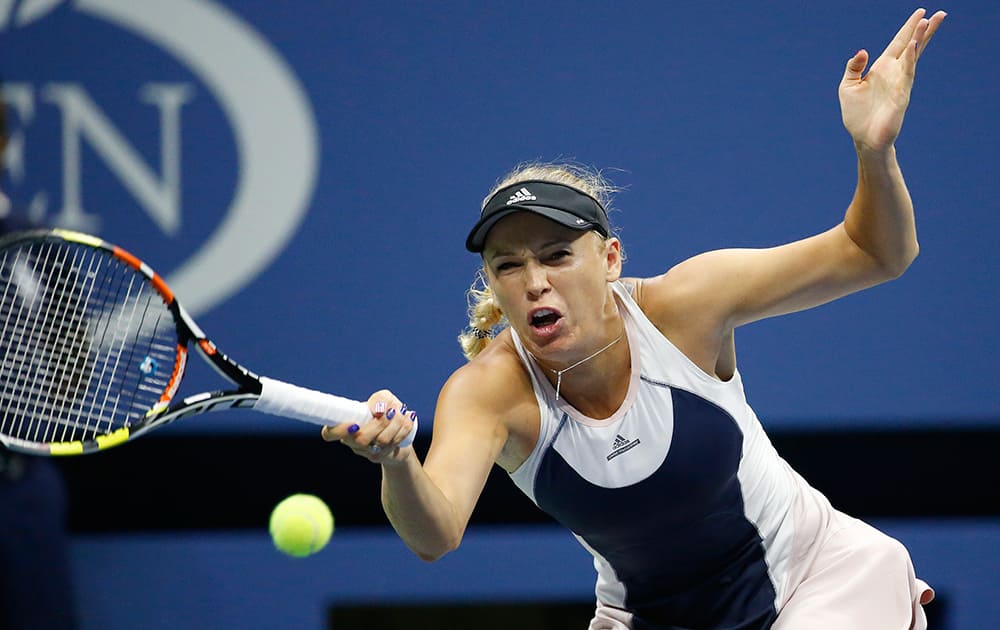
point(52, 353)
point(16, 379)
point(39, 352)
point(61, 356)
point(87, 345)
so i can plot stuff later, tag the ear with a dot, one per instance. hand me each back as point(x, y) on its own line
point(613, 258)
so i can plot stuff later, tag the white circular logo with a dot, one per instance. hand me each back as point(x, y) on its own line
point(256, 89)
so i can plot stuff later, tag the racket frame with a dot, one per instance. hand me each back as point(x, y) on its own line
point(189, 334)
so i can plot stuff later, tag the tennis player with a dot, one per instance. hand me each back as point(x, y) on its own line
point(617, 406)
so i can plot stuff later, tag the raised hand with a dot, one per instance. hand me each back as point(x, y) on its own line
point(873, 105)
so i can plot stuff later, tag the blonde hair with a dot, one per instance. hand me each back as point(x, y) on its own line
point(485, 315)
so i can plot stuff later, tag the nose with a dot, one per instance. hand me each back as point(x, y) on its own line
point(536, 280)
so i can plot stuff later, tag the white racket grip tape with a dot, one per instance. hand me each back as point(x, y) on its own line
point(291, 401)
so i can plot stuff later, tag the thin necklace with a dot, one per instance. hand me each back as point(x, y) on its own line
point(559, 373)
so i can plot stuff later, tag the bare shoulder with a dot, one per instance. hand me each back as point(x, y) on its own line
point(492, 397)
point(494, 371)
point(675, 302)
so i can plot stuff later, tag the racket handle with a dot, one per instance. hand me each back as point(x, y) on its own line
point(291, 401)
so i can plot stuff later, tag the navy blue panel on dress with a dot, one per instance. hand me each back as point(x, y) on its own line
point(678, 539)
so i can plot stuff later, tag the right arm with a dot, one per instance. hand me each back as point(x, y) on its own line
point(430, 504)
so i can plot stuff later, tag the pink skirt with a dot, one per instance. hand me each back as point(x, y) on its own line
point(858, 578)
point(861, 579)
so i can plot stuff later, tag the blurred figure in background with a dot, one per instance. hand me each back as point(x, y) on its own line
point(35, 575)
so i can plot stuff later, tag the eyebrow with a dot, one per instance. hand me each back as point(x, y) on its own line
point(547, 244)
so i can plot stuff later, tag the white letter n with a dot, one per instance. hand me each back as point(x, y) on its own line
point(160, 197)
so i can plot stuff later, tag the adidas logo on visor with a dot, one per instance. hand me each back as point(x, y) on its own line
point(521, 196)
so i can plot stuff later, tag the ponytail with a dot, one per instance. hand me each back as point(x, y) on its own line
point(484, 316)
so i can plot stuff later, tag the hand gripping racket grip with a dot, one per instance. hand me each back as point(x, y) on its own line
point(291, 401)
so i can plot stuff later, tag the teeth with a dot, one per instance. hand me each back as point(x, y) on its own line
point(541, 314)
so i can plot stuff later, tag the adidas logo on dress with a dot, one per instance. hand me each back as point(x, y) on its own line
point(521, 196)
point(621, 445)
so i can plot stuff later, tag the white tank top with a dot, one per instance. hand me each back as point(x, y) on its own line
point(679, 495)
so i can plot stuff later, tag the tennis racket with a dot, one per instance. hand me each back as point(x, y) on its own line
point(94, 344)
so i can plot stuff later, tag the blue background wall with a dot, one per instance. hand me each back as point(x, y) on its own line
point(238, 581)
point(719, 120)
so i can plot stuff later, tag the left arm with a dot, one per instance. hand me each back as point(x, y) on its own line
point(709, 295)
point(880, 217)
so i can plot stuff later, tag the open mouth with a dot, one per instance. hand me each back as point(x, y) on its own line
point(543, 318)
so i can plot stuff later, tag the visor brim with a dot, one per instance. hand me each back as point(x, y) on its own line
point(476, 241)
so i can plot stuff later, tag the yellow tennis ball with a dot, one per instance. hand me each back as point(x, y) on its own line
point(301, 525)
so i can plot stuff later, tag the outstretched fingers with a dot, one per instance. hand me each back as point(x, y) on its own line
point(904, 36)
point(932, 26)
point(922, 34)
point(916, 32)
point(910, 54)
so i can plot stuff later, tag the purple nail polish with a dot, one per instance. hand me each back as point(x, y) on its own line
point(390, 414)
point(403, 409)
point(353, 429)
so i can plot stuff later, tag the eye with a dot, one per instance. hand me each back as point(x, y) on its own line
point(506, 266)
point(560, 254)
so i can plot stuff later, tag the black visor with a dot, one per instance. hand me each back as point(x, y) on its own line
point(560, 203)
